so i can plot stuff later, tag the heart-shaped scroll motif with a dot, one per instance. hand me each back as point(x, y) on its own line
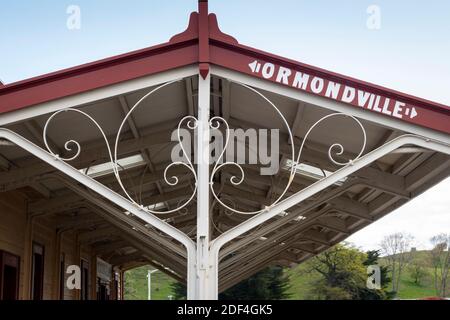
point(215, 123)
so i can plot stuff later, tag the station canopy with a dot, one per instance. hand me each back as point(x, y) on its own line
point(246, 84)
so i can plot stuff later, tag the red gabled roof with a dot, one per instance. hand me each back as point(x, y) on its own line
point(203, 43)
point(173, 54)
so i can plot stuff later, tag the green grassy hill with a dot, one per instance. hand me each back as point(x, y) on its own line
point(408, 288)
point(302, 280)
point(300, 283)
point(136, 285)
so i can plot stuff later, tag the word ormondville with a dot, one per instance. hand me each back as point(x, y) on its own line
point(333, 90)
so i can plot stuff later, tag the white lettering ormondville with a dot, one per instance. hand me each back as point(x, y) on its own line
point(283, 75)
point(363, 98)
point(317, 85)
point(386, 110)
point(333, 90)
point(268, 70)
point(376, 103)
point(301, 80)
point(348, 95)
point(371, 101)
point(398, 109)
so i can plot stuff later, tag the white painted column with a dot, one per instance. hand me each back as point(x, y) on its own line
point(149, 283)
point(203, 287)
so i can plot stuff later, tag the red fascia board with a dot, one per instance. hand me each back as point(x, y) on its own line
point(98, 74)
point(333, 76)
point(225, 51)
point(237, 57)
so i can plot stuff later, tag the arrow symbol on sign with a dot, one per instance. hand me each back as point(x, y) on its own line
point(254, 66)
point(414, 113)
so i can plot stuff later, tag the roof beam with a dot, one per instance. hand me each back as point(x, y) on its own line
point(95, 235)
point(121, 259)
point(375, 207)
point(135, 131)
point(94, 152)
point(101, 249)
point(116, 216)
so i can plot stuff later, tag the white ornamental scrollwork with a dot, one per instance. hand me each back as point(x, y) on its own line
point(234, 180)
point(72, 145)
point(191, 123)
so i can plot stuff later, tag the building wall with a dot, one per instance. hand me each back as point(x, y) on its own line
point(17, 234)
point(69, 249)
point(12, 228)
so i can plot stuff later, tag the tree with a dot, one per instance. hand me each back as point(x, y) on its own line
point(382, 294)
point(322, 291)
point(268, 284)
point(417, 272)
point(343, 275)
point(179, 291)
point(417, 268)
point(396, 248)
point(440, 259)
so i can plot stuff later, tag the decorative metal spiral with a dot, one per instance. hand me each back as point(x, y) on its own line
point(234, 180)
point(73, 145)
point(215, 123)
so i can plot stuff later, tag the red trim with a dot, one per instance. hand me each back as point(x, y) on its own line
point(203, 39)
point(191, 31)
point(203, 43)
point(216, 34)
point(333, 76)
point(93, 76)
point(238, 57)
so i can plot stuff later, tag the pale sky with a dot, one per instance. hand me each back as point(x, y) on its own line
point(409, 53)
point(423, 217)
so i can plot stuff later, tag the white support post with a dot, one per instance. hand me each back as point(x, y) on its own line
point(149, 283)
point(203, 291)
point(203, 256)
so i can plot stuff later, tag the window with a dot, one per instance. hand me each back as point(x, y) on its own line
point(116, 286)
point(102, 290)
point(37, 275)
point(9, 276)
point(84, 280)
